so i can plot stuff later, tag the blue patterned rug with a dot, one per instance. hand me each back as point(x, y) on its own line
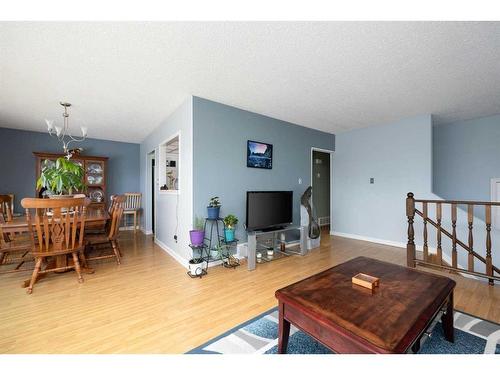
point(260, 336)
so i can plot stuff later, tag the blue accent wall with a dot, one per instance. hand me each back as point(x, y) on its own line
point(220, 134)
point(399, 157)
point(17, 162)
point(466, 157)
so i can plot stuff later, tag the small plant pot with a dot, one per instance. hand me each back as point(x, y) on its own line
point(229, 234)
point(196, 267)
point(213, 212)
point(196, 237)
point(214, 254)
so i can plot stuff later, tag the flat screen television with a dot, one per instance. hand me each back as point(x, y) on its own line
point(269, 209)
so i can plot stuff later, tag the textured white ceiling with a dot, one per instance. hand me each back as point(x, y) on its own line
point(124, 79)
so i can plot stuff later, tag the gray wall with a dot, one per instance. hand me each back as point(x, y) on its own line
point(466, 157)
point(399, 157)
point(219, 168)
point(321, 184)
point(17, 162)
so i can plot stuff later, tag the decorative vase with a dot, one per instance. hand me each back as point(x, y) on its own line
point(213, 212)
point(197, 237)
point(229, 234)
point(196, 267)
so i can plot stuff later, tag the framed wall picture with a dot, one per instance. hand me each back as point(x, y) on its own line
point(259, 155)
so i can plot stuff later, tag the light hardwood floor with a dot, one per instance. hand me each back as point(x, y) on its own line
point(149, 304)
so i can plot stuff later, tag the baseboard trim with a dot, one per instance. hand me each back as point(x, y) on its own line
point(146, 232)
point(172, 253)
point(368, 239)
point(432, 250)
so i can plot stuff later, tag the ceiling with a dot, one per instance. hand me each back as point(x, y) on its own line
point(124, 79)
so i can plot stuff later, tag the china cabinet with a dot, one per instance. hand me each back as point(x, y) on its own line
point(94, 176)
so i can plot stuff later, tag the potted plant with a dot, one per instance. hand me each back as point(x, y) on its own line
point(196, 266)
point(230, 222)
point(61, 178)
point(214, 208)
point(197, 235)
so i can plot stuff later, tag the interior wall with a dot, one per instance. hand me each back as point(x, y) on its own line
point(399, 158)
point(466, 158)
point(174, 210)
point(321, 183)
point(17, 162)
point(220, 151)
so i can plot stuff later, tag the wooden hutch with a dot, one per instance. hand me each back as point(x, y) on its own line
point(94, 177)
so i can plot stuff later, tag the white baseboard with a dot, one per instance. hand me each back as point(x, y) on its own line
point(146, 232)
point(432, 250)
point(368, 239)
point(172, 253)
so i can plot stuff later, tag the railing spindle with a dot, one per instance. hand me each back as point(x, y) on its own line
point(454, 235)
point(410, 246)
point(470, 218)
point(489, 263)
point(438, 220)
point(426, 247)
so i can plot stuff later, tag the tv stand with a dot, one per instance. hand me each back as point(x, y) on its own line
point(253, 241)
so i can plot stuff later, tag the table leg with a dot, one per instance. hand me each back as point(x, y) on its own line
point(284, 330)
point(447, 320)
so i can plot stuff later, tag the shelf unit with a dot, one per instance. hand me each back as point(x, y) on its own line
point(224, 256)
point(94, 178)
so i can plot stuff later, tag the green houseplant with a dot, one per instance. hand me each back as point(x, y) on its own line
point(62, 177)
point(214, 208)
point(230, 222)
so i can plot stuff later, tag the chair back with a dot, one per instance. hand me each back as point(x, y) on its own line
point(116, 216)
point(59, 224)
point(6, 207)
point(116, 200)
point(133, 201)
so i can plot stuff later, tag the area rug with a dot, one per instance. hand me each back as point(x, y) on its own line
point(260, 336)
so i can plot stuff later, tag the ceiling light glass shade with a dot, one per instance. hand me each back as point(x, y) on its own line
point(58, 130)
point(50, 124)
point(84, 131)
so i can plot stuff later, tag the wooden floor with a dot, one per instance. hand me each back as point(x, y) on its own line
point(149, 305)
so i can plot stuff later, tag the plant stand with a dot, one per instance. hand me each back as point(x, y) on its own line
point(213, 237)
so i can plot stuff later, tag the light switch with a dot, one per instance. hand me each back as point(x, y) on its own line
point(372, 180)
point(300, 181)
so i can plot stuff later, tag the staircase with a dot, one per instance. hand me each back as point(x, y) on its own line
point(491, 272)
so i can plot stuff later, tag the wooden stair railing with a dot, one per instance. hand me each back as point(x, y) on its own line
point(491, 271)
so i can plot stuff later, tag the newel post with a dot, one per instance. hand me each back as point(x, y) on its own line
point(410, 246)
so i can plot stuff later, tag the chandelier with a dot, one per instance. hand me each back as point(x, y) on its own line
point(62, 133)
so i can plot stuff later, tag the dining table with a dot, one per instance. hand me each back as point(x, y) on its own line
point(95, 217)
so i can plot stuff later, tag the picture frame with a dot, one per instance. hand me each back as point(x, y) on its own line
point(259, 155)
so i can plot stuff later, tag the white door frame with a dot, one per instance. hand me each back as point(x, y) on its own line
point(153, 188)
point(331, 177)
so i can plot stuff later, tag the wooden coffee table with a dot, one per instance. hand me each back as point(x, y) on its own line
point(348, 318)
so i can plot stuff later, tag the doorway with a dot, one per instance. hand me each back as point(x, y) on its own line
point(152, 196)
point(321, 183)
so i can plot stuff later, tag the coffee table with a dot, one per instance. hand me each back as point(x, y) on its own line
point(348, 318)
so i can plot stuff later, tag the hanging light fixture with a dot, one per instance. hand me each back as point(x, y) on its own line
point(62, 133)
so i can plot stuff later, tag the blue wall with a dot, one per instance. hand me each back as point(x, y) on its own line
point(173, 210)
point(17, 162)
point(220, 135)
point(466, 157)
point(399, 157)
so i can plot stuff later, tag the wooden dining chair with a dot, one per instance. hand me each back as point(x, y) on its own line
point(14, 247)
point(57, 228)
point(6, 209)
point(110, 238)
point(133, 207)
